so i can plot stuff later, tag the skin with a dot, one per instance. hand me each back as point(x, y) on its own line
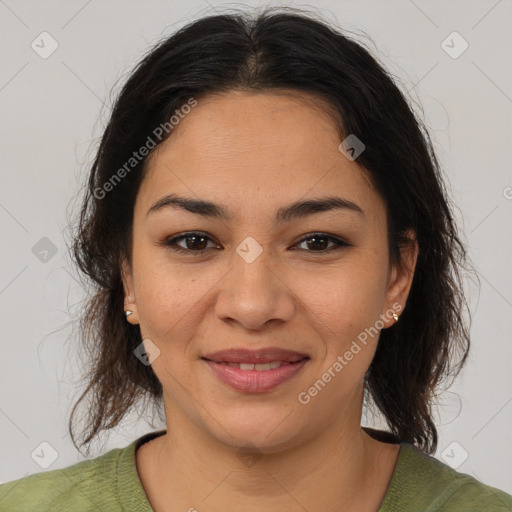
point(256, 153)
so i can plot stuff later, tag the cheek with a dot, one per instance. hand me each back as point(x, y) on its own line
point(345, 305)
point(345, 310)
point(166, 307)
point(348, 298)
point(164, 295)
point(171, 298)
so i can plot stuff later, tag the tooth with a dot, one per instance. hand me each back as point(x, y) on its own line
point(262, 366)
point(246, 366)
point(236, 365)
point(275, 364)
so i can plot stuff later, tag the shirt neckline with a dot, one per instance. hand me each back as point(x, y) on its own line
point(133, 497)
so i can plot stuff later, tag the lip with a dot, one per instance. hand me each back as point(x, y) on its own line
point(265, 355)
point(256, 381)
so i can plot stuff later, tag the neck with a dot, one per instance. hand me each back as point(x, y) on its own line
point(335, 471)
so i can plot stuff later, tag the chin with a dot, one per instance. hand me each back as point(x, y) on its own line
point(267, 433)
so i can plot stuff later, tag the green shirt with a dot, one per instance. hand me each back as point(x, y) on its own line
point(110, 483)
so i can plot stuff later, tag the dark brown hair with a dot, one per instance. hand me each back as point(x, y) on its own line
point(278, 50)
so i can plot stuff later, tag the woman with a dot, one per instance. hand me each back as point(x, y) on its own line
point(272, 247)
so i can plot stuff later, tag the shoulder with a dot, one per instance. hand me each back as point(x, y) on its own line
point(86, 485)
point(423, 483)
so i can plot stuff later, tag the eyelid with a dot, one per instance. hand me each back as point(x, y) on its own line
point(171, 242)
point(338, 241)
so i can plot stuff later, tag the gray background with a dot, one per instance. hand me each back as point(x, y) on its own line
point(53, 111)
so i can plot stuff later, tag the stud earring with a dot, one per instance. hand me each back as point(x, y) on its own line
point(128, 313)
point(395, 316)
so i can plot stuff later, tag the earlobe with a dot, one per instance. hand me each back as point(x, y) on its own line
point(401, 281)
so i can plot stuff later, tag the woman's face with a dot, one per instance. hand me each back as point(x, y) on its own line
point(264, 279)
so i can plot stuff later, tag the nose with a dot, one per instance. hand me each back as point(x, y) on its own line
point(255, 293)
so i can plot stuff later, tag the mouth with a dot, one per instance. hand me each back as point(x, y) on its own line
point(246, 356)
point(255, 371)
point(259, 367)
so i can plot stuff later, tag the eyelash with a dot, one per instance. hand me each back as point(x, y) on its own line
point(171, 243)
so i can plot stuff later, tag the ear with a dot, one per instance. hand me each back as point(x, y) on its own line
point(129, 292)
point(400, 280)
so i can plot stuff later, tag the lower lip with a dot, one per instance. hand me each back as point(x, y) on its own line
point(255, 381)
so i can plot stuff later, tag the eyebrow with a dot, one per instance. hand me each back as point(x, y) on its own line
point(295, 210)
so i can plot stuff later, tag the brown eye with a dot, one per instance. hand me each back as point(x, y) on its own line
point(194, 243)
point(319, 242)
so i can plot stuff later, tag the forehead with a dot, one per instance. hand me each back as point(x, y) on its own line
point(248, 148)
point(229, 124)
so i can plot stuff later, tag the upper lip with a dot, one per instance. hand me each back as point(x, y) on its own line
point(265, 355)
